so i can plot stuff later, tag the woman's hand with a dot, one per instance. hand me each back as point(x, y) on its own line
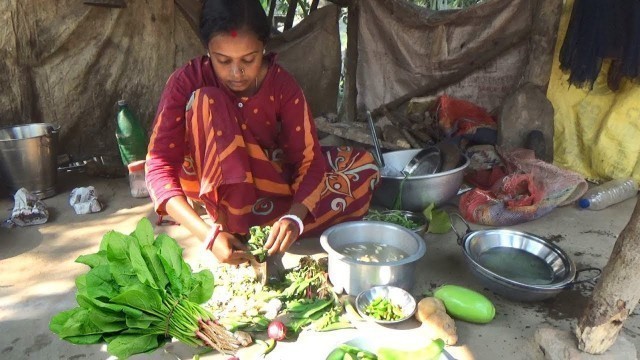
point(229, 249)
point(283, 234)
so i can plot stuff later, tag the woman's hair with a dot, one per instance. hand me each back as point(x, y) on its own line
point(220, 16)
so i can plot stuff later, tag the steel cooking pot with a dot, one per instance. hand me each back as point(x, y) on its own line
point(518, 265)
point(353, 275)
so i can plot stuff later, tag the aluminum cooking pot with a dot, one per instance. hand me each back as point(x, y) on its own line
point(353, 275)
point(519, 265)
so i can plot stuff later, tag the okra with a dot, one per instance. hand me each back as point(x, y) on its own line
point(383, 309)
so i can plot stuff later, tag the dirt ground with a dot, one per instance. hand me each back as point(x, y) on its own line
point(37, 264)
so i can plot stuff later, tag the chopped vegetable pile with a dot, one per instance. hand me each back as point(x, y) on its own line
point(397, 217)
point(383, 309)
point(302, 299)
point(138, 294)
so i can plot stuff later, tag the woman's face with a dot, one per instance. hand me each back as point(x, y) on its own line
point(237, 59)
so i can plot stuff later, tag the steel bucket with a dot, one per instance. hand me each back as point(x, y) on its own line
point(28, 158)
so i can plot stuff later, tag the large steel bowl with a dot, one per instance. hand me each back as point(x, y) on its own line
point(354, 276)
point(522, 266)
point(417, 191)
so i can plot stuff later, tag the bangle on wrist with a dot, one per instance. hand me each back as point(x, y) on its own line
point(211, 236)
point(296, 219)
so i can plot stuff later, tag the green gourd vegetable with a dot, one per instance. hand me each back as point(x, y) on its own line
point(466, 304)
point(429, 352)
point(336, 354)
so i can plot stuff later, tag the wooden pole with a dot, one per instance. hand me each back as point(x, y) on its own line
point(543, 41)
point(272, 11)
point(617, 293)
point(291, 14)
point(349, 103)
point(314, 6)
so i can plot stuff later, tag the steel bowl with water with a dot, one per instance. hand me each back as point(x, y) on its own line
point(354, 276)
point(519, 265)
point(417, 191)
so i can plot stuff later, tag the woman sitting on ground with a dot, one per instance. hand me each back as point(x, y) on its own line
point(234, 132)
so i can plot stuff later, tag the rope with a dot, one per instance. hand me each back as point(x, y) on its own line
point(173, 308)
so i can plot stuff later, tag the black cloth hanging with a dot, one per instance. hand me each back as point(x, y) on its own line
point(600, 30)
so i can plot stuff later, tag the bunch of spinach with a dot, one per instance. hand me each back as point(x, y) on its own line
point(138, 294)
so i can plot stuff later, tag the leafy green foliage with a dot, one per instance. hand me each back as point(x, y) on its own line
point(138, 294)
point(439, 221)
point(257, 239)
point(397, 217)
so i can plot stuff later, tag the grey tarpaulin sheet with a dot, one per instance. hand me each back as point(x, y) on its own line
point(402, 47)
point(311, 51)
point(68, 63)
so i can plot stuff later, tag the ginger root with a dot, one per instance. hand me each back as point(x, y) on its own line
point(428, 306)
point(438, 324)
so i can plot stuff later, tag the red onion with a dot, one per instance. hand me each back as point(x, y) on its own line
point(276, 330)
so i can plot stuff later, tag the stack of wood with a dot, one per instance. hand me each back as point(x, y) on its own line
point(415, 126)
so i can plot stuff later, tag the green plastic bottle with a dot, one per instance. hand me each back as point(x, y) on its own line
point(131, 136)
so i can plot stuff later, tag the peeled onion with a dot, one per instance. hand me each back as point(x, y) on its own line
point(276, 330)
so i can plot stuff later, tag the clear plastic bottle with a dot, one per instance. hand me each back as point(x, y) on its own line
point(608, 193)
point(131, 136)
point(136, 179)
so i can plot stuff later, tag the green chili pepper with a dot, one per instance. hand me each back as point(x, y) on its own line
point(466, 304)
point(269, 345)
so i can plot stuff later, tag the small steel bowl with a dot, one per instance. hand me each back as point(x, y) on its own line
point(394, 294)
point(416, 217)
